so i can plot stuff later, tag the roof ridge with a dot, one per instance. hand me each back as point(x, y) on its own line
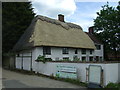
point(66, 25)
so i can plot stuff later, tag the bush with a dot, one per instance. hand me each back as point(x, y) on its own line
point(113, 85)
point(43, 59)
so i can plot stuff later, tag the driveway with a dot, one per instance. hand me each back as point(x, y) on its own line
point(12, 79)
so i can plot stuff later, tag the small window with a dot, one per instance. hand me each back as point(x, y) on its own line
point(46, 50)
point(100, 58)
point(83, 58)
point(98, 47)
point(91, 51)
point(65, 58)
point(83, 51)
point(48, 59)
point(97, 58)
point(65, 51)
point(76, 51)
point(90, 58)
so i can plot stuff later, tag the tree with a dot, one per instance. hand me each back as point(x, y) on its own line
point(107, 24)
point(16, 17)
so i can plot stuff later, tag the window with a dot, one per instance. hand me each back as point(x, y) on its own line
point(91, 51)
point(65, 50)
point(100, 58)
point(83, 58)
point(46, 50)
point(75, 58)
point(66, 58)
point(83, 51)
point(48, 59)
point(97, 58)
point(90, 58)
point(76, 51)
point(98, 47)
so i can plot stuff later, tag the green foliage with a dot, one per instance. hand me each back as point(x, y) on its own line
point(66, 59)
point(113, 85)
point(76, 58)
point(108, 25)
point(43, 59)
point(16, 17)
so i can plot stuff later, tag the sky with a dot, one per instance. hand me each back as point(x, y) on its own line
point(80, 12)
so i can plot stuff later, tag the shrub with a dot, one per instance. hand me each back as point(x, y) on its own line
point(113, 85)
point(43, 59)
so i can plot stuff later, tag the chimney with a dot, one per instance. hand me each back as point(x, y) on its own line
point(61, 17)
point(91, 31)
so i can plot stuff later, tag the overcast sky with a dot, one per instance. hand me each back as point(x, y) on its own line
point(75, 11)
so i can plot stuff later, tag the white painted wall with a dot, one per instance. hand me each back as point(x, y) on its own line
point(110, 70)
point(26, 63)
point(18, 62)
point(100, 52)
point(56, 52)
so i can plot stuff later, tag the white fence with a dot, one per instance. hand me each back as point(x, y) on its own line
point(111, 71)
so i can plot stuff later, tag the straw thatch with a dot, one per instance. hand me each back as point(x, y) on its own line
point(44, 31)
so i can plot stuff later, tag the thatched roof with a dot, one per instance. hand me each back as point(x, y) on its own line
point(44, 31)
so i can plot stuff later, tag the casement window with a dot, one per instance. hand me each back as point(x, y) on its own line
point(90, 58)
point(83, 58)
point(83, 51)
point(91, 51)
point(65, 58)
point(46, 50)
point(65, 50)
point(76, 51)
point(98, 47)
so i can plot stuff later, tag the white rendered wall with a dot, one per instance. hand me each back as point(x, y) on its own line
point(110, 70)
point(56, 52)
point(18, 62)
point(26, 63)
point(99, 52)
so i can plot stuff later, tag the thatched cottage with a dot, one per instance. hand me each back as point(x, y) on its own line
point(55, 39)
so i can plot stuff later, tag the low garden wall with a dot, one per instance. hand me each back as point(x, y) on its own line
point(111, 71)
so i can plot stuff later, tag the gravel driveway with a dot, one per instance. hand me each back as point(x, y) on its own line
point(18, 80)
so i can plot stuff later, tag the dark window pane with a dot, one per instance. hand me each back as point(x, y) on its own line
point(90, 58)
point(98, 47)
point(46, 50)
point(83, 58)
point(65, 50)
point(83, 51)
point(76, 51)
point(66, 58)
point(91, 51)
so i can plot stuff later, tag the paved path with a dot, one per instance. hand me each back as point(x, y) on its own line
point(17, 80)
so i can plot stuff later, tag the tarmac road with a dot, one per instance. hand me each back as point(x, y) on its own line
point(12, 79)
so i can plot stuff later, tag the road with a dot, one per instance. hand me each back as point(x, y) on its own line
point(12, 79)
